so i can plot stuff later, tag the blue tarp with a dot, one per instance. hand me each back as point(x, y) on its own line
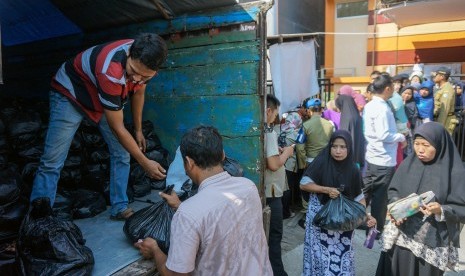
point(31, 20)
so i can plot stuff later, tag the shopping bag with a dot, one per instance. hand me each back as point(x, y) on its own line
point(340, 214)
point(410, 205)
point(153, 221)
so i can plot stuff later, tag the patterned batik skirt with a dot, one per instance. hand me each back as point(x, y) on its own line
point(326, 252)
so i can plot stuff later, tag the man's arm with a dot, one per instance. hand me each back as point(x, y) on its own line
point(137, 105)
point(437, 104)
point(115, 121)
point(148, 247)
point(275, 162)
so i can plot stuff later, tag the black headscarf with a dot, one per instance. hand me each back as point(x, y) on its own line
point(410, 107)
point(445, 176)
point(328, 172)
point(353, 123)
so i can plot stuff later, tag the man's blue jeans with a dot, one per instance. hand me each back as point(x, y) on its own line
point(64, 121)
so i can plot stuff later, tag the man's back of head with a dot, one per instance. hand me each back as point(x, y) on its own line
point(204, 145)
point(381, 82)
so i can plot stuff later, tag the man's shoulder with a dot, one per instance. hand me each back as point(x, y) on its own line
point(374, 107)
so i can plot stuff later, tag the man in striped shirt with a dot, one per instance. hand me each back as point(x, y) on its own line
point(96, 84)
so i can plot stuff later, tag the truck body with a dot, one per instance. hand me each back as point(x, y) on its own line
point(215, 74)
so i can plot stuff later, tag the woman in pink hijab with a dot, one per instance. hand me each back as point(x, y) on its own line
point(358, 98)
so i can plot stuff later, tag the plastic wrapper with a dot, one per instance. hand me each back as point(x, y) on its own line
point(410, 205)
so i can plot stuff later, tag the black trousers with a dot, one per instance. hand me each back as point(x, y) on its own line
point(276, 235)
point(376, 183)
point(292, 198)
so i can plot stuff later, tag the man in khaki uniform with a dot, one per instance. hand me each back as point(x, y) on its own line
point(444, 100)
point(317, 131)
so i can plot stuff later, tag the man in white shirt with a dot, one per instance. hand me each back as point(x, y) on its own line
point(382, 141)
point(219, 231)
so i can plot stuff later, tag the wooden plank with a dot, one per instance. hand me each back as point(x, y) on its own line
point(213, 35)
point(141, 267)
point(214, 79)
point(246, 150)
point(197, 21)
point(234, 115)
point(221, 53)
point(237, 118)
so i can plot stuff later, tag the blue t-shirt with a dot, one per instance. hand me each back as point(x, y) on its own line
point(399, 110)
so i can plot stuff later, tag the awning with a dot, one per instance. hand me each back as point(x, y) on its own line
point(427, 11)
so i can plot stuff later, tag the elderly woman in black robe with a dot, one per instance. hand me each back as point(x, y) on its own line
point(426, 243)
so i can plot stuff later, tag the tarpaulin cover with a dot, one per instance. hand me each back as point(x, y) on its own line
point(32, 20)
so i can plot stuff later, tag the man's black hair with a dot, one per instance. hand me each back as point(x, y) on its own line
point(204, 145)
point(272, 102)
point(381, 82)
point(150, 49)
point(370, 88)
point(376, 72)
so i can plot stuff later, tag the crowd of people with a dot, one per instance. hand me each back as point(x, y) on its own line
point(354, 148)
point(382, 145)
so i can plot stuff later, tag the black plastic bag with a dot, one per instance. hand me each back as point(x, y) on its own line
point(87, 204)
point(139, 181)
point(340, 214)
point(24, 122)
point(2, 127)
point(50, 246)
point(158, 184)
point(31, 154)
point(161, 156)
point(188, 189)
point(8, 265)
point(3, 144)
point(153, 221)
point(63, 205)
point(233, 167)
point(100, 156)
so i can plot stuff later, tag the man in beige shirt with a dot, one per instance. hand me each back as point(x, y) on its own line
point(275, 184)
point(444, 100)
point(219, 231)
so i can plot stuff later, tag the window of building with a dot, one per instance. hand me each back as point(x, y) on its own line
point(352, 9)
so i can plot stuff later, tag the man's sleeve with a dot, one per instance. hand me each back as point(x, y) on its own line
point(271, 144)
point(301, 156)
point(437, 103)
point(184, 243)
point(109, 91)
point(450, 102)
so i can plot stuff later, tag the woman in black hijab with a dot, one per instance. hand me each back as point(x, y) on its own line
point(352, 122)
point(331, 252)
point(426, 243)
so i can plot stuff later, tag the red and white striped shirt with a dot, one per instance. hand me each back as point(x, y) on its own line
point(96, 79)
